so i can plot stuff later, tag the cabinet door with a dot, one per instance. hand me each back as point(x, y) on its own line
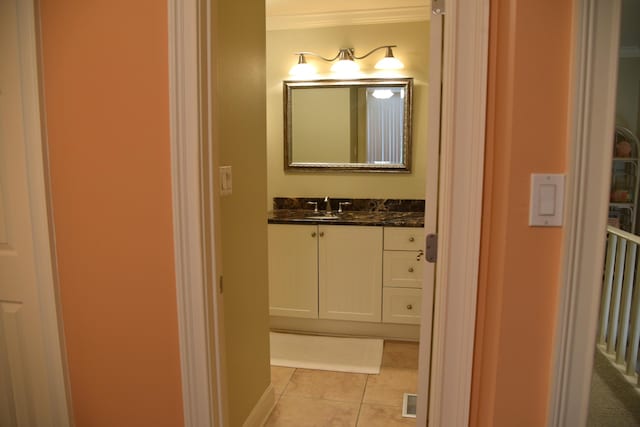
point(350, 273)
point(293, 270)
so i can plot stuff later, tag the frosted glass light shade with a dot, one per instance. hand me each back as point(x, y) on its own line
point(389, 63)
point(302, 70)
point(345, 67)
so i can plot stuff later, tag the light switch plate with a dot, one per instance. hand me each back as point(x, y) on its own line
point(226, 181)
point(547, 200)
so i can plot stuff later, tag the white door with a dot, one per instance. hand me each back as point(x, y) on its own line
point(32, 391)
point(436, 36)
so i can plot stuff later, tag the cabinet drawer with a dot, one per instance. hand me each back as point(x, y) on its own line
point(403, 238)
point(401, 305)
point(402, 269)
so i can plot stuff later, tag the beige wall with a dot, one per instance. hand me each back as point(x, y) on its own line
point(318, 142)
point(413, 49)
point(239, 117)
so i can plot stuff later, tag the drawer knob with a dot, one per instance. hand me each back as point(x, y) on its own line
point(412, 239)
point(313, 234)
point(322, 234)
point(410, 269)
point(409, 306)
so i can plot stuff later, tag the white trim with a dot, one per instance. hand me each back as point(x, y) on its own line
point(53, 338)
point(594, 96)
point(353, 17)
point(465, 59)
point(262, 409)
point(431, 216)
point(191, 290)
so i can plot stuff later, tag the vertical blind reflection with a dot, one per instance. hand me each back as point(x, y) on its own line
point(385, 122)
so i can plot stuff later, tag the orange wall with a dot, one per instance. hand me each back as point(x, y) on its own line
point(529, 69)
point(105, 78)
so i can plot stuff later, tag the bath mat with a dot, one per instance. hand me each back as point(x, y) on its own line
point(359, 355)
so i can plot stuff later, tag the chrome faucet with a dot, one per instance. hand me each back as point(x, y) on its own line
point(328, 210)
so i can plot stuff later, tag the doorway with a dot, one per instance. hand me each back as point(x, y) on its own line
point(323, 30)
point(454, 317)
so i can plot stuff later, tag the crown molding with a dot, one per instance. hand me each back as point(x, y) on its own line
point(356, 17)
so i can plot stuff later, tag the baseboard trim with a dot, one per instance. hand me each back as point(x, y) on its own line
point(262, 409)
point(345, 328)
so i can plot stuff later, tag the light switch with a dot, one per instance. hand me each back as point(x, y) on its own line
point(547, 197)
point(226, 181)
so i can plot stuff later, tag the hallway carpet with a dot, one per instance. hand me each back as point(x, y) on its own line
point(613, 401)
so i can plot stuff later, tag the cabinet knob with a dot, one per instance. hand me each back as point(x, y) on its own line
point(412, 239)
point(322, 234)
point(313, 234)
point(410, 269)
point(409, 306)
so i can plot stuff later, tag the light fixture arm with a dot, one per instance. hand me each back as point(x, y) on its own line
point(349, 53)
point(388, 47)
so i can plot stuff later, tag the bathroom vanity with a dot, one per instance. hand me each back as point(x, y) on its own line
point(353, 267)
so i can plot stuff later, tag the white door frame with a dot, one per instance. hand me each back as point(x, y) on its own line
point(199, 304)
point(44, 255)
point(594, 99)
point(462, 128)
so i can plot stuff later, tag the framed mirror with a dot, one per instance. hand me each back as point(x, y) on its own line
point(350, 125)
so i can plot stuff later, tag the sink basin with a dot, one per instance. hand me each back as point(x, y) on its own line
point(323, 217)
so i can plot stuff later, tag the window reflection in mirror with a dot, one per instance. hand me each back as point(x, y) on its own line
point(349, 125)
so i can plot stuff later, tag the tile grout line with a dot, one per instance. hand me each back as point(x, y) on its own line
point(364, 390)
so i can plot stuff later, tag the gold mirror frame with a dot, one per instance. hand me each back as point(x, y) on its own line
point(405, 167)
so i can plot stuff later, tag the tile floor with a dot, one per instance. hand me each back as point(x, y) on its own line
point(308, 397)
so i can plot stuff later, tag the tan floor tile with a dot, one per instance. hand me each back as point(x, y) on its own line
point(343, 386)
point(400, 354)
point(389, 386)
point(375, 415)
point(280, 377)
point(296, 411)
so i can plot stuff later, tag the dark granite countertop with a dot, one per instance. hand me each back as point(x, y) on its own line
point(362, 218)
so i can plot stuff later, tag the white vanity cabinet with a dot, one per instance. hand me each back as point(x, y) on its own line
point(350, 273)
point(346, 272)
point(325, 272)
point(293, 270)
point(402, 275)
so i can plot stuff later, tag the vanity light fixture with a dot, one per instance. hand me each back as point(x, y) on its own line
point(302, 68)
point(346, 62)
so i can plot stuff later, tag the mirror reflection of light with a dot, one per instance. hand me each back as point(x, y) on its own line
point(382, 94)
point(402, 93)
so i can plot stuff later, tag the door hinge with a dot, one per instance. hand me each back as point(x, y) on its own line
point(437, 7)
point(220, 284)
point(431, 252)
